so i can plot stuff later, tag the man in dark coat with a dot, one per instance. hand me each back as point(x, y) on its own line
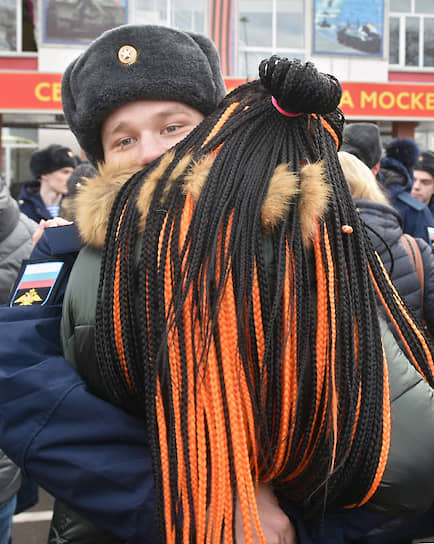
point(423, 179)
point(396, 176)
point(394, 172)
point(51, 168)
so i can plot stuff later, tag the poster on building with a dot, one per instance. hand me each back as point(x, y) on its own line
point(8, 25)
point(81, 21)
point(349, 27)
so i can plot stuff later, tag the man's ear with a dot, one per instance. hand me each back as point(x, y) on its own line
point(375, 169)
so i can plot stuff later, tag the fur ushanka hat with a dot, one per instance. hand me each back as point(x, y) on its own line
point(426, 162)
point(51, 158)
point(138, 62)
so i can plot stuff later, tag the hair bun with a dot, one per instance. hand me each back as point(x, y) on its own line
point(299, 87)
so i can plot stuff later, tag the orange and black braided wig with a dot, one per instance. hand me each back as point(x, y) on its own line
point(244, 328)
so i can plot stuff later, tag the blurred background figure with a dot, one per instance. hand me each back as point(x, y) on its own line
point(396, 176)
point(78, 178)
point(10, 480)
point(385, 231)
point(51, 168)
point(394, 172)
point(16, 231)
point(423, 179)
point(363, 141)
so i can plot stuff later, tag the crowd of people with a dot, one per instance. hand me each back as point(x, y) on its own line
point(220, 325)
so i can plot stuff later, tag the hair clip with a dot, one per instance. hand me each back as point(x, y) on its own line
point(347, 229)
point(282, 111)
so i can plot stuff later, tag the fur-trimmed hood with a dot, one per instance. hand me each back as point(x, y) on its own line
point(95, 199)
point(94, 202)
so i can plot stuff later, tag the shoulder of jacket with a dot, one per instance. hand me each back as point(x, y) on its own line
point(412, 202)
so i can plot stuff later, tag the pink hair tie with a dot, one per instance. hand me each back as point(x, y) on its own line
point(283, 112)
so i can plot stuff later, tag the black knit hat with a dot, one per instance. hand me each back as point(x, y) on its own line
point(51, 158)
point(404, 150)
point(138, 62)
point(426, 162)
point(363, 141)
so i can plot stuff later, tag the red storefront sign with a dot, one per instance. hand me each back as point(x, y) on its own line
point(39, 92)
point(388, 100)
point(30, 91)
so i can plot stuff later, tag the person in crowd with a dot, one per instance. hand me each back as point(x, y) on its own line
point(10, 482)
point(232, 335)
point(16, 231)
point(385, 231)
point(79, 177)
point(51, 167)
point(363, 141)
point(423, 180)
point(64, 382)
point(173, 79)
point(396, 176)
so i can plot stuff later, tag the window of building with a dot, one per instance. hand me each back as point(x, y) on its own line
point(411, 34)
point(17, 146)
point(16, 27)
point(188, 15)
point(267, 27)
point(151, 12)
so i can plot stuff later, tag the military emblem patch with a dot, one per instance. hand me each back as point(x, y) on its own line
point(36, 282)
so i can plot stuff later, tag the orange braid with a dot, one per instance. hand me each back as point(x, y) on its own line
point(216, 129)
point(387, 423)
point(408, 318)
point(117, 322)
point(165, 471)
point(331, 300)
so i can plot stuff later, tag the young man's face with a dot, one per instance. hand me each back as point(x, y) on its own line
point(423, 186)
point(56, 181)
point(141, 131)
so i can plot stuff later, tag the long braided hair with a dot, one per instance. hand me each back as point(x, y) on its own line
point(237, 313)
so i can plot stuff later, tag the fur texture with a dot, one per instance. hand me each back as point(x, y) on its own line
point(149, 186)
point(94, 202)
point(196, 176)
point(282, 189)
point(170, 65)
point(314, 198)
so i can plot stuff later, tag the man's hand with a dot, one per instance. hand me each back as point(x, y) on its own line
point(276, 525)
point(45, 223)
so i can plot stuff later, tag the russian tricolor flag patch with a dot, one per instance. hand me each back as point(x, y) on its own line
point(36, 282)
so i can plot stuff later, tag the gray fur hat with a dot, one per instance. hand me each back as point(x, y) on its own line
point(138, 62)
point(363, 140)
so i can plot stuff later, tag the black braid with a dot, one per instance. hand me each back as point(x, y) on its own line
point(224, 250)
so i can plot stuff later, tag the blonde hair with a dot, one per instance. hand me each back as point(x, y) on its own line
point(360, 179)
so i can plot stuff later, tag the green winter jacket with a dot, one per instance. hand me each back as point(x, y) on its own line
point(408, 481)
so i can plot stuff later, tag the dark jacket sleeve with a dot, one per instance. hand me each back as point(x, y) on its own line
point(428, 291)
point(78, 447)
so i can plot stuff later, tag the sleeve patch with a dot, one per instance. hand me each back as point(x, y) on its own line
point(37, 282)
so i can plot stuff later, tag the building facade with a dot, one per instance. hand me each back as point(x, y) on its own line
point(381, 51)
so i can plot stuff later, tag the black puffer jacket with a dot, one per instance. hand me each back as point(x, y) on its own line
point(385, 231)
